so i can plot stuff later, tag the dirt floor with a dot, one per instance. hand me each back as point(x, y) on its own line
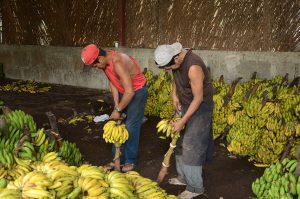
point(224, 177)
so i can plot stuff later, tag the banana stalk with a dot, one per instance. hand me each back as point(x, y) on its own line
point(117, 157)
point(166, 163)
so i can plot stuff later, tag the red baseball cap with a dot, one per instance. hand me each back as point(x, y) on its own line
point(88, 55)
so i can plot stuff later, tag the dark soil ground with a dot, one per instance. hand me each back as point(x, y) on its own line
point(224, 177)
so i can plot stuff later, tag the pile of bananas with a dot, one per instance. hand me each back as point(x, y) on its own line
point(258, 118)
point(115, 132)
point(30, 167)
point(266, 121)
point(20, 138)
point(159, 101)
point(278, 181)
point(53, 178)
point(29, 86)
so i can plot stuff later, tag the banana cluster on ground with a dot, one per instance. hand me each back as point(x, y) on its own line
point(278, 181)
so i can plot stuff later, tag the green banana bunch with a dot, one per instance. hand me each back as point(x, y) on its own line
point(27, 151)
point(19, 118)
point(70, 153)
point(278, 181)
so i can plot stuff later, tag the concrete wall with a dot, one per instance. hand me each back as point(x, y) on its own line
point(62, 65)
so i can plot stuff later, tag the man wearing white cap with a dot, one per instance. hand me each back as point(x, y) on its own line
point(192, 96)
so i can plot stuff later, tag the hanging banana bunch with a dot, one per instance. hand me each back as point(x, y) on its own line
point(115, 132)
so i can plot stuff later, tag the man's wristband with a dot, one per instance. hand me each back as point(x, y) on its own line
point(117, 109)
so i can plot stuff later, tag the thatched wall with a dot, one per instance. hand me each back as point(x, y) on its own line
point(253, 25)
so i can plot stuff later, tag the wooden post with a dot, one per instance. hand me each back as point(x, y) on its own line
point(121, 21)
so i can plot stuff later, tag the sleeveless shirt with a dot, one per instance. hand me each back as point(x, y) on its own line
point(183, 86)
point(138, 80)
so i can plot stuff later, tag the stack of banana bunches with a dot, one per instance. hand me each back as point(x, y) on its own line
point(34, 165)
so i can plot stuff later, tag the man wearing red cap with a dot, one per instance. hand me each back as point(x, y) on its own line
point(127, 84)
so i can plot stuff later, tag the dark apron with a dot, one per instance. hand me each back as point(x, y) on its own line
point(196, 141)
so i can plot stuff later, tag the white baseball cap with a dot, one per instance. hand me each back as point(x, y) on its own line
point(163, 54)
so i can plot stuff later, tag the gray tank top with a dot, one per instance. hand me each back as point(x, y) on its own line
point(183, 87)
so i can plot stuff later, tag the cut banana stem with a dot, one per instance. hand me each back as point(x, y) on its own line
point(166, 163)
point(117, 156)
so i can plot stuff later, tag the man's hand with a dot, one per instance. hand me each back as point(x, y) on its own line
point(178, 125)
point(115, 115)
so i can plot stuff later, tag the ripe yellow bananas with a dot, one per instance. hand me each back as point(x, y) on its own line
point(115, 133)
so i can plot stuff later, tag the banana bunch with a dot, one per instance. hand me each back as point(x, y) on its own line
point(89, 171)
point(14, 134)
point(63, 178)
point(146, 188)
point(47, 147)
point(119, 185)
point(166, 126)
point(93, 187)
point(27, 151)
point(51, 156)
point(18, 118)
point(70, 153)
point(278, 181)
point(115, 133)
point(28, 86)
point(21, 168)
point(297, 110)
point(40, 137)
point(6, 155)
point(10, 194)
point(3, 172)
point(271, 146)
point(159, 101)
point(33, 184)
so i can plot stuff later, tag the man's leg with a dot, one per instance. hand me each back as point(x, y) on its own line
point(193, 177)
point(180, 179)
point(135, 114)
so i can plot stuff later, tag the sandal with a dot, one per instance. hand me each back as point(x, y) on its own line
point(128, 167)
